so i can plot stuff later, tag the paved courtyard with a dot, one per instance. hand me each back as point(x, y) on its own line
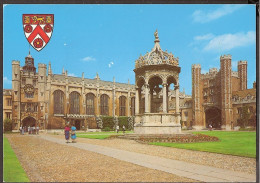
point(48, 158)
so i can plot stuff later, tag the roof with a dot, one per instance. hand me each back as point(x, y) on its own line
point(72, 79)
point(244, 93)
point(157, 56)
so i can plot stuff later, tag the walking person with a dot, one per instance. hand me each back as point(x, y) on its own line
point(124, 129)
point(117, 128)
point(29, 130)
point(73, 134)
point(67, 132)
point(37, 130)
point(21, 130)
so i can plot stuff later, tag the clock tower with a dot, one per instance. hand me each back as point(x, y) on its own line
point(29, 64)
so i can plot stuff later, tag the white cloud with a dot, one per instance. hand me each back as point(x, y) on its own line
point(204, 37)
point(6, 80)
point(71, 74)
point(228, 41)
point(65, 44)
point(87, 59)
point(203, 17)
point(110, 64)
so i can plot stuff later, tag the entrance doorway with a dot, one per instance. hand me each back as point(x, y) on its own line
point(28, 121)
point(213, 117)
point(77, 124)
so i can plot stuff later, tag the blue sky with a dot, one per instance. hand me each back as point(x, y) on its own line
point(109, 38)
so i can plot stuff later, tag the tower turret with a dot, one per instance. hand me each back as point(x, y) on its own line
point(242, 74)
point(226, 91)
point(29, 64)
point(196, 95)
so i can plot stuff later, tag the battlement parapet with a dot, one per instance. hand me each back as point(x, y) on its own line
point(42, 65)
point(242, 62)
point(213, 70)
point(15, 62)
point(195, 66)
point(234, 74)
point(224, 57)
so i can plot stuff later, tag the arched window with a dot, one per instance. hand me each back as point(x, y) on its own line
point(90, 107)
point(58, 101)
point(104, 109)
point(122, 106)
point(132, 106)
point(74, 103)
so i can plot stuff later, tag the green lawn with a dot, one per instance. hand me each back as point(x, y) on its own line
point(234, 143)
point(13, 171)
point(99, 135)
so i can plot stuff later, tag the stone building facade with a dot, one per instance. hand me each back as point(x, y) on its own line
point(7, 104)
point(214, 94)
point(49, 100)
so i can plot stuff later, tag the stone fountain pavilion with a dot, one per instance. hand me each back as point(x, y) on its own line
point(154, 73)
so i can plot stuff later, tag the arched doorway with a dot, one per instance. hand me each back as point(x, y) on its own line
point(28, 121)
point(213, 117)
point(77, 124)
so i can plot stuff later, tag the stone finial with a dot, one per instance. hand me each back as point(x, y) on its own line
point(128, 81)
point(156, 36)
point(114, 80)
point(82, 75)
point(49, 69)
point(63, 72)
point(97, 77)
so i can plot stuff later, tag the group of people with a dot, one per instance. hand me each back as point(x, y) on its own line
point(70, 132)
point(30, 130)
point(117, 129)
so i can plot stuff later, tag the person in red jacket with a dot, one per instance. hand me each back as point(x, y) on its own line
point(67, 132)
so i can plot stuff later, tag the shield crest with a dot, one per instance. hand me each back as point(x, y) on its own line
point(38, 29)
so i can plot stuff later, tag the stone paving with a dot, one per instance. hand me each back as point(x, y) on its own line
point(117, 160)
point(184, 169)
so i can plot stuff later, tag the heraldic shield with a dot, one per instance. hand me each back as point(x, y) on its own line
point(38, 29)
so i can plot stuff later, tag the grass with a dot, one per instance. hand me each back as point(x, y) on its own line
point(99, 135)
point(13, 171)
point(232, 143)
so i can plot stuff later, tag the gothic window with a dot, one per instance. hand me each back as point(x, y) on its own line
point(34, 82)
point(122, 106)
point(90, 107)
point(29, 95)
point(22, 107)
point(132, 106)
point(58, 102)
point(74, 103)
point(8, 115)
point(9, 102)
point(104, 104)
point(35, 107)
point(23, 81)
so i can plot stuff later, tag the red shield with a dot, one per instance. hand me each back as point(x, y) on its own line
point(38, 29)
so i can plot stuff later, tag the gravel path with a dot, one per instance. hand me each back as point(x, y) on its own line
point(229, 162)
point(45, 161)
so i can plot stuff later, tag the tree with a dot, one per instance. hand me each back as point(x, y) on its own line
point(7, 125)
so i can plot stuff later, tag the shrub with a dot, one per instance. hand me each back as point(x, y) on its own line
point(106, 129)
point(7, 125)
point(108, 122)
point(123, 120)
